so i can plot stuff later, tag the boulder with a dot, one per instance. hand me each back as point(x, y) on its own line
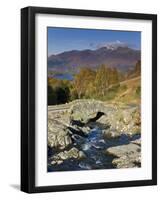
point(110, 133)
point(123, 120)
point(138, 142)
point(58, 135)
point(127, 156)
point(73, 153)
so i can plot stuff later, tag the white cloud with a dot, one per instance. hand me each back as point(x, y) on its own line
point(113, 45)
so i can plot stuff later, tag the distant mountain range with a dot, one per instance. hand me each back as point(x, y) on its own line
point(123, 58)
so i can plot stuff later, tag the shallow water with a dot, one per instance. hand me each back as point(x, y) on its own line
point(94, 147)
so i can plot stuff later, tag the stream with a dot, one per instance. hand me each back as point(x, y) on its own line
point(94, 147)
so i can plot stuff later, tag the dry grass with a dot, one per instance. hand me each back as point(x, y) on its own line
point(127, 92)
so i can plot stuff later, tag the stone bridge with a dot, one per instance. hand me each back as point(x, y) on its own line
point(81, 109)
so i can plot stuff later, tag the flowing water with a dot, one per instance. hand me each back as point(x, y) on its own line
point(94, 146)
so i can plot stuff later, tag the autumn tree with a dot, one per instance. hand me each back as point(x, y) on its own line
point(114, 76)
point(87, 83)
point(102, 80)
point(83, 82)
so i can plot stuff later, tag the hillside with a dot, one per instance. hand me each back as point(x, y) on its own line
point(129, 91)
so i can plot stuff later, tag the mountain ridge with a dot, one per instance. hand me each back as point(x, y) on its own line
point(122, 58)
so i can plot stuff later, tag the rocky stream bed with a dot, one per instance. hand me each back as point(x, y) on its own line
point(89, 134)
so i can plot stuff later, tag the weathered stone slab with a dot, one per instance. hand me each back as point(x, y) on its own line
point(64, 155)
point(138, 142)
point(126, 155)
point(58, 136)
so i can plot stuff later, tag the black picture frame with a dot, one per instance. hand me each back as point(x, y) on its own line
point(28, 98)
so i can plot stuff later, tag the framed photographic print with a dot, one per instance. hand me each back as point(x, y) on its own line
point(88, 99)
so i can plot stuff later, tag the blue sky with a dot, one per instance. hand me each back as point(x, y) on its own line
point(66, 39)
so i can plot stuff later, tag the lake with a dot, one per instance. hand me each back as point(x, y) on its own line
point(66, 76)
